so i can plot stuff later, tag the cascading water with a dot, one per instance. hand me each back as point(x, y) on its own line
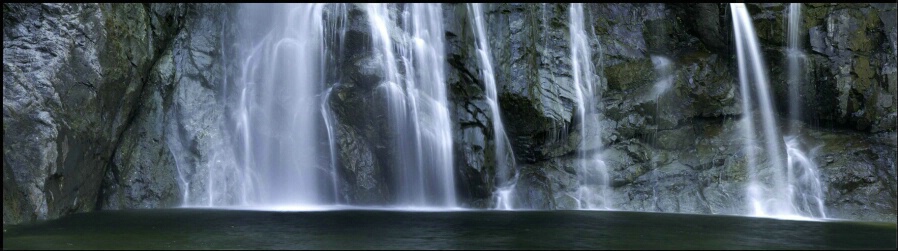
point(504, 157)
point(594, 180)
point(284, 70)
point(763, 200)
point(337, 22)
point(282, 74)
point(417, 104)
point(796, 59)
point(777, 197)
point(664, 69)
point(329, 124)
point(803, 178)
point(429, 89)
point(284, 62)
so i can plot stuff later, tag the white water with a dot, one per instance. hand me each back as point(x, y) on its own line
point(664, 69)
point(803, 176)
point(429, 62)
point(764, 198)
point(280, 87)
point(417, 104)
point(329, 123)
point(282, 76)
point(804, 182)
point(784, 183)
point(796, 59)
point(283, 68)
point(505, 197)
point(593, 175)
point(273, 162)
point(336, 25)
point(505, 162)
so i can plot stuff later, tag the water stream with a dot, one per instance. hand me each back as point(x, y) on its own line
point(781, 177)
point(506, 175)
point(594, 179)
point(417, 103)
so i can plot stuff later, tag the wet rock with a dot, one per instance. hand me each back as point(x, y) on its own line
point(142, 152)
point(533, 191)
point(364, 183)
point(535, 86)
point(74, 75)
point(709, 22)
point(859, 180)
point(847, 41)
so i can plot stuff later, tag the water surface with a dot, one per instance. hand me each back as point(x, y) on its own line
point(382, 229)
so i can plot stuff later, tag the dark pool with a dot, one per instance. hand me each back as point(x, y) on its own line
point(379, 229)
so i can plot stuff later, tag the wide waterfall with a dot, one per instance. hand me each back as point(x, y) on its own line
point(422, 164)
point(779, 173)
point(594, 179)
point(278, 77)
point(282, 74)
point(286, 153)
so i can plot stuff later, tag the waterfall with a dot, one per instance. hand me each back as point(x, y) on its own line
point(279, 87)
point(417, 103)
point(280, 60)
point(664, 69)
point(282, 115)
point(790, 173)
point(505, 163)
point(329, 123)
point(803, 176)
point(337, 24)
point(796, 59)
point(763, 200)
point(803, 179)
point(429, 89)
point(284, 125)
point(594, 181)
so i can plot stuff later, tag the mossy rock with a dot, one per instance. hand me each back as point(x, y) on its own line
point(630, 75)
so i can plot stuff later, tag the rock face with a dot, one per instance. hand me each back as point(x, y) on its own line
point(74, 78)
point(92, 93)
point(673, 146)
point(181, 121)
point(114, 106)
point(851, 62)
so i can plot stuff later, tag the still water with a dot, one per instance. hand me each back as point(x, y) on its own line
point(382, 229)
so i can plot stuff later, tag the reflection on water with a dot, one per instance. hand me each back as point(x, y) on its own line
point(380, 229)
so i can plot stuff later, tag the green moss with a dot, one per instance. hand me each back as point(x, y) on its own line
point(858, 40)
point(600, 26)
point(862, 67)
point(771, 30)
point(629, 75)
point(698, 56)
point(872, 21)
point(814, 15)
